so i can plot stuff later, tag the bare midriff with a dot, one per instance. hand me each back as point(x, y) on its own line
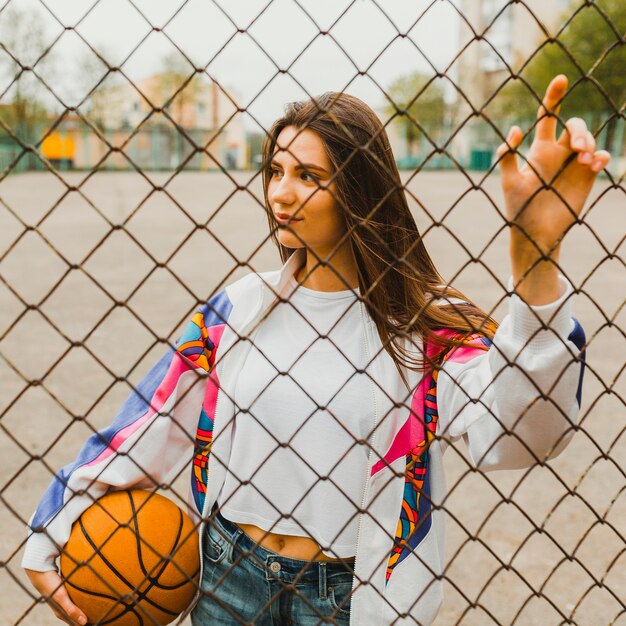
point(294, 547)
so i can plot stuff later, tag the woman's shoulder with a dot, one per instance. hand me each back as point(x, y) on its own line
point(247, 288)
point(462, 325)
point(439, 297)
point(449, 301)
point(243, 284)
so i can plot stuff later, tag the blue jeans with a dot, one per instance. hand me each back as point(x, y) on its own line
point(244, 583)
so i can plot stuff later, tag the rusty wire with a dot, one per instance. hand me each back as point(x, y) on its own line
point(471, 607)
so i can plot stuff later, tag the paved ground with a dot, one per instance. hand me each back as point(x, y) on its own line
point(575, 568)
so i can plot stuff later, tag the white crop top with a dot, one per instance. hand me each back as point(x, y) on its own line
point(296, 467)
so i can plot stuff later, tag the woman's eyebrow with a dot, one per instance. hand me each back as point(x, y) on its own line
point(302, 166)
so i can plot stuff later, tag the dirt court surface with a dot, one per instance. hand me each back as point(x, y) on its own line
point(543, 546)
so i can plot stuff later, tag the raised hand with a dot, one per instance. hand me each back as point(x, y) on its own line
point(545, 196)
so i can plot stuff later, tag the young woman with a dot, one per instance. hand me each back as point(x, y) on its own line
point(313, 404)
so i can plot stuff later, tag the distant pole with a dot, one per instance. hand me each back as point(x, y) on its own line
point(618, 143)
point(215, 98)
point(154, 149)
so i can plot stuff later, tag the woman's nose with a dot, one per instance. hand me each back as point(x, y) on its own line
point(283, 192)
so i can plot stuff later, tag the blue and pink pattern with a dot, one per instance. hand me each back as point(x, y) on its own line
point(210, 329)
point(197, 347)
point(413, 441)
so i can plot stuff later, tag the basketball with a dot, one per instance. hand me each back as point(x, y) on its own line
point(132, 558)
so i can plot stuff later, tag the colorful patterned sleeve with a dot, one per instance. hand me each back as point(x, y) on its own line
point(146, 445)
point(516, 403)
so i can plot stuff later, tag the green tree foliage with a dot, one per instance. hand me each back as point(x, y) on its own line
point(93, 83)
point(591, 51)
point(425, 105)
point(23, 38)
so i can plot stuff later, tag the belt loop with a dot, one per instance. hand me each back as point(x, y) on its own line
point(322, 580)
point(232, 542)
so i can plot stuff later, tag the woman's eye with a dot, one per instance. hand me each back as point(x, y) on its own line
point(311, 177)
point(274, 171)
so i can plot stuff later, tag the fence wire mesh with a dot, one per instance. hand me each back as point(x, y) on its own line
point(126, 201)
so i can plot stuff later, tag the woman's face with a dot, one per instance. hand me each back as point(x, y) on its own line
point(299, 171)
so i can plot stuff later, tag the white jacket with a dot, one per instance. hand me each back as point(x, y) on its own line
point(514, 404)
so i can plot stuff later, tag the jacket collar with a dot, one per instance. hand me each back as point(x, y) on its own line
point(278, 281)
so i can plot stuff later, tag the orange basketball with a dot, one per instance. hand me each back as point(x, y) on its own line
point(132, 558)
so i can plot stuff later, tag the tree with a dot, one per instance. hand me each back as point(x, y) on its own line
point(24, 45)
point(423, 104)
point(590, 51)
point(93, 78)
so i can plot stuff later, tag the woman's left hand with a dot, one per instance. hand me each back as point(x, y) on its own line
point(542, 202)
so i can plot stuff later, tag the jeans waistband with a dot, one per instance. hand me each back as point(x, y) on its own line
point(288, 564)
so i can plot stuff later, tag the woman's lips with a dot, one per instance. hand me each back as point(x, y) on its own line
point(286, 219)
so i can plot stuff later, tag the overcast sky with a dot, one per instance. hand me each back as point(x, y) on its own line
point(202, 28)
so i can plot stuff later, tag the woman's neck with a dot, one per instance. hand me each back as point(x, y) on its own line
point(341, 276)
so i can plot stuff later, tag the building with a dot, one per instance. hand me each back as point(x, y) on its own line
point(164, 128)
point(514, 29)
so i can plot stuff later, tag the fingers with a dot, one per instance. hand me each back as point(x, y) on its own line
point(600, 161)
point(65, 608)
point(576, 137)
point(546, 126)
point(506, 154)
point(50, 585)
point(585, 156)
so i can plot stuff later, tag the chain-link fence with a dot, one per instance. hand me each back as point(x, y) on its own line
point(131, 198)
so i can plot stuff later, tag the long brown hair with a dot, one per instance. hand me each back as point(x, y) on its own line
point(398, 281)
